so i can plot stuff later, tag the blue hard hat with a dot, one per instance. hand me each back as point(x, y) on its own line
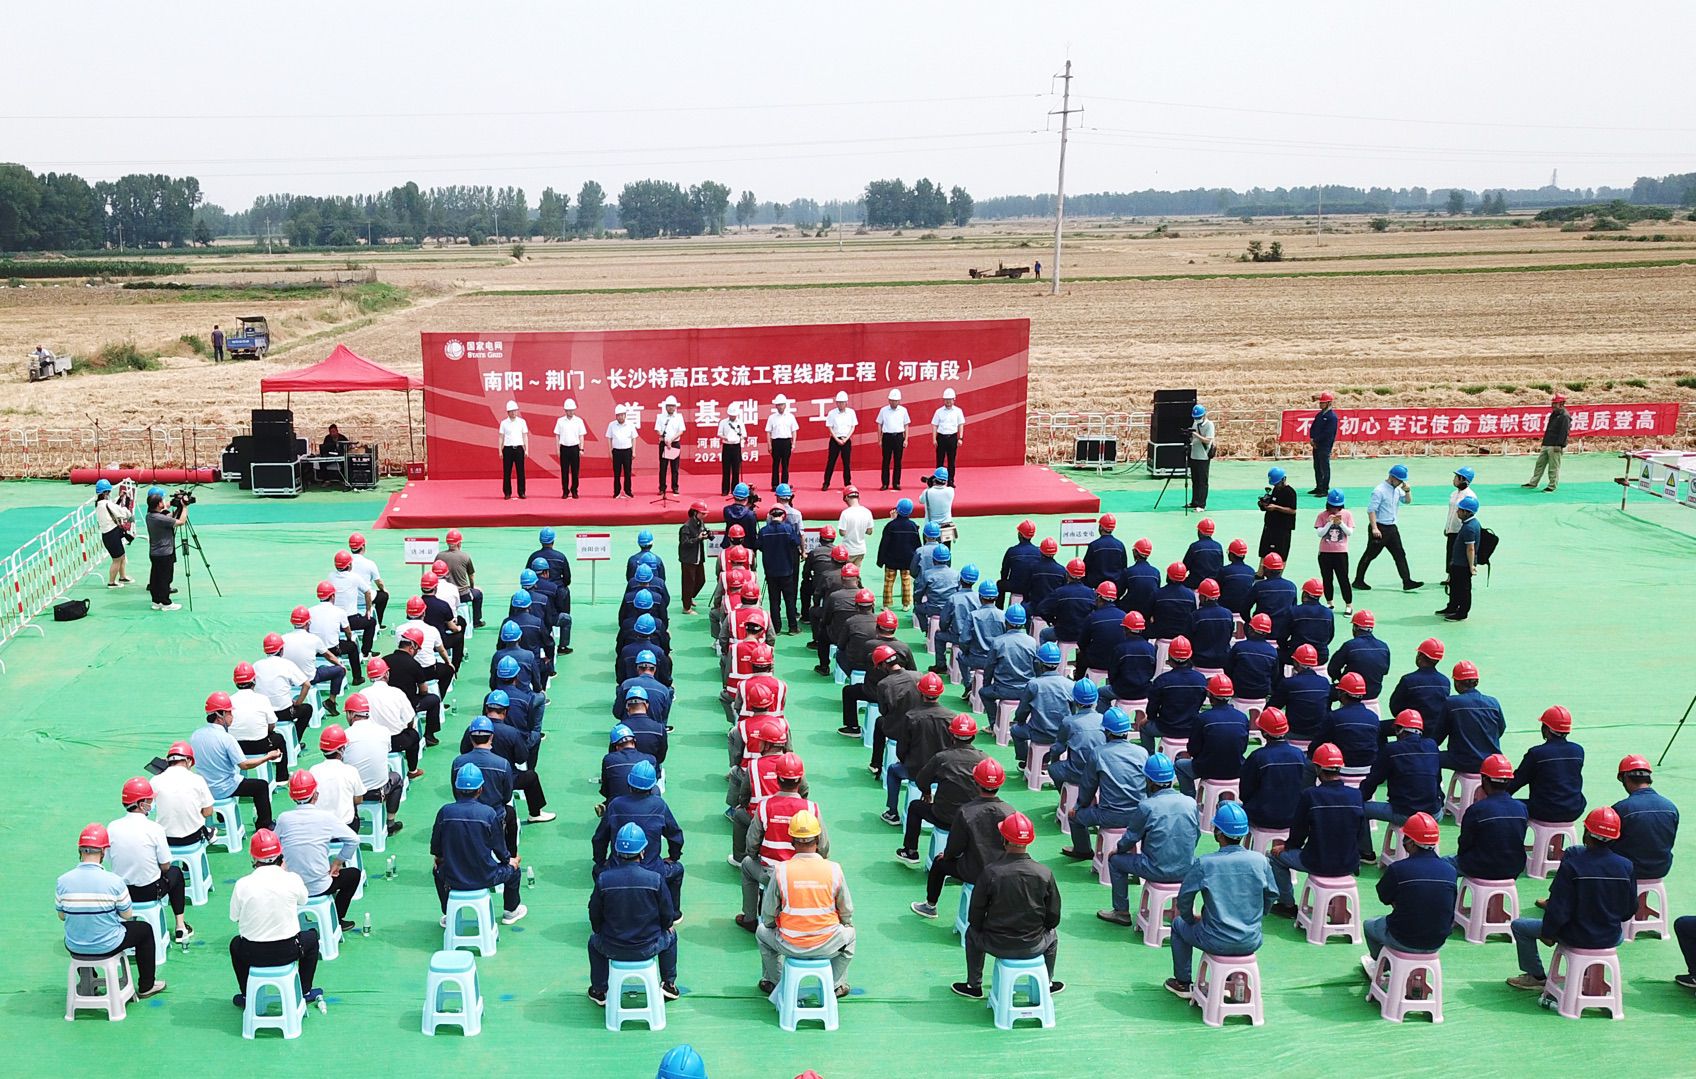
point(102, 486)
point(483, 725)
point(644, 600)
point(1469, 504)
point(1466, 473)
point(510, 631)
point(1334, 497)
point(682, 1062)
point(1015, 615)
point(644, 573)
point(647, 558)
point(1158, 769)
point(635, 693)
point(645, 623)
point(647, 658)
point(969, 573)
point(1399, 471)
point(739, 491)
point(987, 590)
point(933, 531)
point(1084, 692)
point(618, 734)
point(1275, 475)
point(630, 839)
point(1049, 653)
point(940, 475)
point(642, 776)
point(521, 599)
point(156, 492)
point(468, 778)
point(539, 564)
point(497, 698)
point(1115, 721)
point(785, 491)
point(507, 667)
point(942, 554)
point(1230, 819)
point(546, 535)
point(644, 538)
point(1197, 412)
point(904, 508)
point(527, 579)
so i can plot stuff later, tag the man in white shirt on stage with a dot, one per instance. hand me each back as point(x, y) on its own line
point(621, 437)
point(840, 422)
point(668, 428)
point(730, 433)
point(515, 443)
point(781, 428)
point(949, 424)
point(893, 420)
point(569, 432)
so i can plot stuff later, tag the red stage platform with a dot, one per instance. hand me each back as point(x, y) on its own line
point(478, 503)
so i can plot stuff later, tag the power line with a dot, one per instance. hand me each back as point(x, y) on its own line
point(1390, 119)
point(1178, 136)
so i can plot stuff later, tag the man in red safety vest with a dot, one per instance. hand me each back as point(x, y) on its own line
point(769, 840)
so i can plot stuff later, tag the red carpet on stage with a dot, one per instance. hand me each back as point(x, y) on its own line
point(986, 491)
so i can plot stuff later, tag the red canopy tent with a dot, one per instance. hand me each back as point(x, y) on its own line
point(344, 371)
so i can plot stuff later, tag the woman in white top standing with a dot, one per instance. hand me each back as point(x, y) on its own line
point(116, 522)
point(569, 432)
point(949, 425)
point(781, 428)
point(621, 437)
point(515, 443)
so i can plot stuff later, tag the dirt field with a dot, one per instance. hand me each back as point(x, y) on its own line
point(1388, 330)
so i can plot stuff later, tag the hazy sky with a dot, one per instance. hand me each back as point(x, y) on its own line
point(802, 100)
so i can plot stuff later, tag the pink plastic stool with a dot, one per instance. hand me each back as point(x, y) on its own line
point(1106, 843)
point(1211, 792)
point(1068, 653)
point(1096, 675)
point(1250, 707)
point(1464, 789)
point(1209, 672)
point(1156, 908)
point(1036, 766)
point(1651, 910)
point(1329, 907)
point(1549, 840)
point(1174, 746)
point(1396, 976)
point(1219, 976)
point(932, 624)
point(1261, 839)
point(1353, 778)
point(1068, 800)
point(1137, 709)
point(1161, 646)
point(1004, 722)
point(1581, 978)
point(1239, 632)
point(1486, 908)
point(974, 686)
point(1391, 852)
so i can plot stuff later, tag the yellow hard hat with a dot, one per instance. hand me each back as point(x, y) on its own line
point(804, 825)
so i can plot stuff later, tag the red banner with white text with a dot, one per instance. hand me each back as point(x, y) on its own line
point(469, 377)
point(1483, 424)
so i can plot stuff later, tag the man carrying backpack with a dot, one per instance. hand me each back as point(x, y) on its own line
point(1464, 559)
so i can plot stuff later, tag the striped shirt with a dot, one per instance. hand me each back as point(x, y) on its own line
point(93, 902)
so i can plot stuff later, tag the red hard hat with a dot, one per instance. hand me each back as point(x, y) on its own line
point(414, 606)
point(739, 556)
point(1312, 587)
point(1466, 671)
point(698, 506)
point(930, 685)
point(357, 704)
point(1238, 547)
point(1134, 621)
point(737, 532)
point(182, 750)
point(759, 696)
point(1353, 684)
point(273, 643)
point(326, 590)
point(1076, 568)
point(300, 616)
point(1328, 756)
point(989, 774)
point(736, 576)
point(1557, 718)
point(1220, 686)
point(333, 737)
point(136, 790)
point(243, 675)
point(1364, 619)
point(1496, 766)
point(864, 598)
point(455, 536)
point(1107, 590)
point(94, 837)
point(828, 535)
point(839, 553)
point(344, 560)
point(1208, 588)
point(1049, 546)
point(356, 542)
point(789, 766)
point(1180, 648)
point(265, 846)
point(963, 726)
point(427, 582)
point(1205, 526)
point(886, 619)
point(1108, 522)
point(1143, 546)
point(376, 667)
point(1306, 655)
point(302, 785)
point(1273, 722)
point(1432, 649)
point(1634, 763)
point(439, 568)
point(750, 589)
point(761, 655)
point(217, 702)
point(1409, 719)
point(413, 634)
point(1422, 829)
point(1326, 395)
point(1017, 828)
point(882, 654)
point(1027, 528)
point(850, 571)
point(1602, 823)
point(1261, 623)
point(775, 732)
point(1177, 571)
point(1273, 561)
point(850, 491)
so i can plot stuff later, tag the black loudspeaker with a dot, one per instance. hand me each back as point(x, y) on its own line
point(1096, 451)
point(362, 471)
point(1169, 432)
point(273, 423)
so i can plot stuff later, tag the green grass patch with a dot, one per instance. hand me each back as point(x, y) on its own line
point(47, 268)
point(195, 344)
point(1508, 389)
point(1546, 387)
point(117, 356)
point(1638, 383)
point(1383, 391)
point(368, 296)
point(1473, 390)
point(1688, 382)
point(1575, 386)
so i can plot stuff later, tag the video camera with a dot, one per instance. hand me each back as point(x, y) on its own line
point(181, 498)
point(1265, 500)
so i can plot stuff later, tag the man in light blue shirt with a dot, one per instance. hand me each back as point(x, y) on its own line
point(936, 585)
point(1166, 825)
point(307, 833)
point(95, 907)
point(1012, 662)
point(219, 760)
point(1236, 888)
point(1381, 511)
point(1047, 701)
point(1111, 785)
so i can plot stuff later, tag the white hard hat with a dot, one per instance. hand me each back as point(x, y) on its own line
point(512, 406)
point(669, 401)
point(948, 394)
point(841, 397)
point(780, 400)
point(619, 409)
point(895, 395)
point(571, 404)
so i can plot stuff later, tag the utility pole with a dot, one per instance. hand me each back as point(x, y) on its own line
point(1065, 114)
point(1319, 233)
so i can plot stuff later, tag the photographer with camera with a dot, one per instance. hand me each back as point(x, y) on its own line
point(117, 529)
point(1201, 456)
point(164, 517)
point(1279, 506)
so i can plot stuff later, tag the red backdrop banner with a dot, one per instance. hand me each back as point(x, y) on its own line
point(1482, 424)
point(469, 377)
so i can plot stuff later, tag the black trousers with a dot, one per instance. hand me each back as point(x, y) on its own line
point(512, 460)
point(138, 935)
point(389, 796)
point(431, 705)
point(341, 889)
point(301, 948)
point(978, 945)
point(894, 449)
point(1275, 540)
point(729, 467)
point(1389, 539)
point(623, 462)
point(671, 466)
point(838, 451)
point(476, 594)
point(1460, 590)
point(941, 869)
point(528, 783)
point(1321, 467)
point(366, 627)
point(780, 450)
point(259, 792)
point(918, 811)
point(1199, 467)
point(349, 651)
point(781, 590)
point(1334, 565)
point(406, 743)
point(570, 470)
point(260, 746)
point(169, 887)
point(948, 454)
point(852, 695)
point(163, 568)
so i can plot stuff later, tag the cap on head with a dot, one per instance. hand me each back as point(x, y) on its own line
point(1107, 522)
point(1134, 621)
point(496, 699)
point(940, 475)
point(1273, 562)
point(468, 778)
point(265, 846)
point(904, 508)
point(631, 839)
point(1557, 718)
point(1261, 624)
point(1602, 823)
point(1115, 721)
point(1027, 528)
point(1208, 589)
point(330, 739)
point(1312, 588)
point(1205, 526)
point(789, 766)
point(1635, 764)
point(1421, 830)
point(1466, 473)
point(481, 725)
point(1108, 591)
point(1220, 686)
point(1177, 572)
point(805, 825)
point(94, 837)
point(1364, 619)
point(1306, 655)
point(1275, 475)
point(1467, 505)
point(1328, 757)
point(1015, 614)
point(137, 790)
point(969, 573)
point(642, 776)
point(217, 702)
point(302, 785)
point(1432, 649)
point(1398, 472)
point(1084, 692)
point(619, 733)
point(300, 616)
point(1352, 684)
point(940, 553)
point(1048, 654)
point(1465, 671)
point(930, 685)
point(1409, 719)
point(1049, 546)
point(1334, 498)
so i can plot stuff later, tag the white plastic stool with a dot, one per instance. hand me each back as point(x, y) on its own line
point(280, 985)
point(1396, 976)
point(452, 980)
point(1651, 914)
point(153, 913)
point(109, 986)
point(1209, 672)
point(1158, 899)
point(1106, 845)
point(1036, 766)
point(480, 905)
point(1581, 978)
point(1320, 898)
point(463, 613)
point(197, 871)
point(646, 974)
point(320, 910)
point(1172, 747)
point(1486, 908)
point(1464, 789)
point(1213, 791)
point(787, 995)
point(1004, 721)
point(1068, 654)
point(229, 832)
point(1549, 840)
point(1004, 982)
point(375, 814)
point(1162, 646)
point(1235, 976)
point(1261, 839)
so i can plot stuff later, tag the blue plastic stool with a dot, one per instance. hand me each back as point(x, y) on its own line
point(397, 766)
point(291, 746)
point(960, 915)
point(888, 756)
point(229, 833)
point(197, 869)
point(1003, 984)
point(153, 913)
point(938, 843)
point(320, 910)
point(480, 904)
point(278, 984)
point(787, 995)
point(868, 720)
point(646, 973)
point(376, 814)
point(359, 864)
point(452, 980)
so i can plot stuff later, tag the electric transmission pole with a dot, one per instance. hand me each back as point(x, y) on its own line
point(1065, 114)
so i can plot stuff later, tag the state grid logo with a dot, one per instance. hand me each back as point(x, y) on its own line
point(454, 349)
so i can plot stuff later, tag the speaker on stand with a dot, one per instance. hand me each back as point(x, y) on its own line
point(1169, 433)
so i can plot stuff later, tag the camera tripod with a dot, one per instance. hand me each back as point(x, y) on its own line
point(191, 540)
point(1688, 709)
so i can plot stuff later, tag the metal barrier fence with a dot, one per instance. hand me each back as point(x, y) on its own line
point(41, 572)
point(45, 452)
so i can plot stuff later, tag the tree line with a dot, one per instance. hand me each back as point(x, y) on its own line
point(58, 211)
point(891, 204)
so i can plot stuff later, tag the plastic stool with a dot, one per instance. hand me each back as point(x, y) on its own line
point(480, 904)
point(1391, 852)
point(1220, 975)
point(1036, 766)
point(1493, 906)
point(229, 832)
point(1581, 978)
point(1651, 917)
point(1162, 646)
point(1004, 982)
point(291, 746)
point(452, 980)
point(376, 814)
point(397, 766)
point(1209, 672)
point(1354, 778)
point(1068, 801)
point(1394, 977)
point(965, 908)
point(1261, 839)
point(888, 756)
point(938, 844)
point(109, 983)
point(463, 613)
point(1543, 853)
point(1464, 789)
point(932, 624)
point(197, 869)
point(836, 672)
point(1174, 746)
point(974, 687)
point(153, 913)
point(1214, 791)
point(646, 973)
point(1157, 900)
point(1106, 844)
point(1318, 907)
point(1239, 632)
point(868, 721)
point(787, 995)
point(317, 697)
point(1137, 709)
point(1004, 722)
point(359, 864)
point(1068, 653)
point(281, 984)
point(1250, 707)
point(320, 910)
point(1096, 675)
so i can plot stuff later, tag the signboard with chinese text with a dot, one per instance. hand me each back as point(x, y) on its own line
point(421, 550)
point(1079, 531)
point(1483, 424)
point(594, 546)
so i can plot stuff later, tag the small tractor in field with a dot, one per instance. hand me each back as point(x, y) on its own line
point(44, 364)
point(1000, 270)
point(251, 340)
